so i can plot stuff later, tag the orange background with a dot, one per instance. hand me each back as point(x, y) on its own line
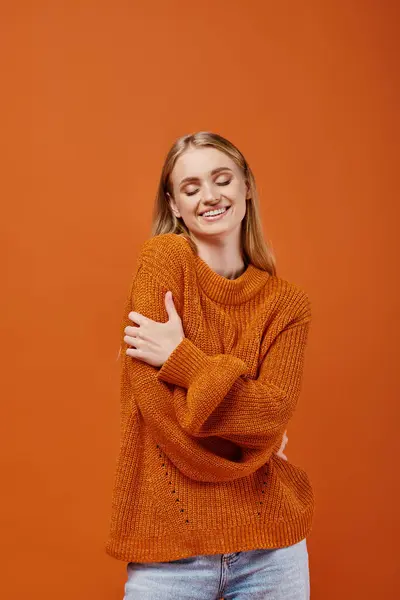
point(94, 93)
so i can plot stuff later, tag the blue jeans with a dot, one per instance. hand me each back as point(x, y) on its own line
point(278, 574)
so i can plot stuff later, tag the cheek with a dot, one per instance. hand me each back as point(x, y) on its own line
point(186, 207)
point(237, 190)
point(241, 210)
point(239, 195)
point(239, 198)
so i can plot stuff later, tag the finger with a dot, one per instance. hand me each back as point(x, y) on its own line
point(131, 341)
point(137, 333)
point(170, 306)
point(132, 331)
point(137, 318)
point(135, 353)
point(138, 342)
point(140, 355)
point(281, 455)
point(141, 343)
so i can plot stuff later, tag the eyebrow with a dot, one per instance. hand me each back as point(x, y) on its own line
point(213, 172)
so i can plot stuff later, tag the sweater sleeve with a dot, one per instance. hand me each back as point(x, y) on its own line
point(194, 395)
point(220, 400)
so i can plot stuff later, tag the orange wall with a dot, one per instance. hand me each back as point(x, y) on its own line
point(93, 95)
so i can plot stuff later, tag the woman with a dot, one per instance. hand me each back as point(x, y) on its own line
point(205, 505)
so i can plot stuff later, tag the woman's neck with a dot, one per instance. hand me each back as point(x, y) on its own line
point(224, 256)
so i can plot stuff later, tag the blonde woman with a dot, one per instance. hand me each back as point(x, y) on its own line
point(205, 504)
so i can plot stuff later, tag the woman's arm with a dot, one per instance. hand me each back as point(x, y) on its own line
point(216, 398)
point(194, 395)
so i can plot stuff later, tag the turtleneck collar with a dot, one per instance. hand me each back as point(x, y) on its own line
point(230, 291)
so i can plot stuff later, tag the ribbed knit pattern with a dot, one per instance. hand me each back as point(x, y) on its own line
point(197, 471)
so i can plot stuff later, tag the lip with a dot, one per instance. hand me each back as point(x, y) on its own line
point(215, 208)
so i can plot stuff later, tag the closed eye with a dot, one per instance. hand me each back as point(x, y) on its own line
point(217, 182)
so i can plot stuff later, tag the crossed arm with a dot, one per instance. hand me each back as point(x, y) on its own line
point(194, 395)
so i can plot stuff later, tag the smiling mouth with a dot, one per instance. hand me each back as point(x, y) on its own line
point(221, 213)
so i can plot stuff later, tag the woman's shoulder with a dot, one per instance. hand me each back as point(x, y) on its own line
point(291, 297)
point(161, 250)
point(164, 242)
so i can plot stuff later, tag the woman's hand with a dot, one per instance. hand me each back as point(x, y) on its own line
point(285, 440)
point(153, 341)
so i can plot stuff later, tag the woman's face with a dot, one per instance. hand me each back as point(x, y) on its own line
point(203, 180)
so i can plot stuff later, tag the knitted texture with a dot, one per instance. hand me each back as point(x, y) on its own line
point(197, 472)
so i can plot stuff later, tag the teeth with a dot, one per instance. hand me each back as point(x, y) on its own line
point(211, 213)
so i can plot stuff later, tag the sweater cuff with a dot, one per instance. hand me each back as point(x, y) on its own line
point(183, 364)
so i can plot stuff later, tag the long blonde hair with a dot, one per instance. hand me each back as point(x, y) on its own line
point(256, 250)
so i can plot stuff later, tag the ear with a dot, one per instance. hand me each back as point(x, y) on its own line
point(248, 192)
point(173, 205)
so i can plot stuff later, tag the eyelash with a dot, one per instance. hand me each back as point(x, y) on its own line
point(195, 192)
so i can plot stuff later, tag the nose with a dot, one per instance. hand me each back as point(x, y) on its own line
point(210, 194)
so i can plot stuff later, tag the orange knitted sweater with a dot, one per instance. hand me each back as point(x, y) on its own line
point(197, 471)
